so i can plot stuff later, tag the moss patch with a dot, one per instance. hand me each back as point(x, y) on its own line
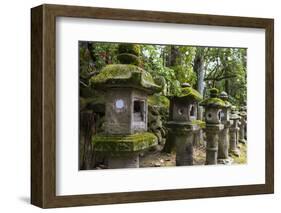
point(124, 143)
point(213, 102)
point(190, 93)
point(214, 92)
point(124, 75)
point(201, 124)
point(227, 104)
point(133, 49)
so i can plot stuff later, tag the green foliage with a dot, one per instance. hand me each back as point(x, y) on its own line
point(170, 66)
point(159, 101)
point(226, 70)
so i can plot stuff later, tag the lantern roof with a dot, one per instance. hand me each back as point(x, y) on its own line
point(214, 101)
point(187, 93)
point(126, 76)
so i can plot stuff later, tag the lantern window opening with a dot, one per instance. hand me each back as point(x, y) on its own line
point(192, 111)
point(139, 111)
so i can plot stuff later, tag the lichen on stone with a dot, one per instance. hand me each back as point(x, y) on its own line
point(124, 75)
point(201, 124)
point(123, 143)
point(187, 93)
point(190, 93)
point(213, 102)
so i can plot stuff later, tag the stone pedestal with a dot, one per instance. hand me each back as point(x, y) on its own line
point(223, 147)
point(233, 133)
point(212, 133)
point(122, 151)
point(183, 134)
point(126, 161)
point(184, 149)
point(242, 138)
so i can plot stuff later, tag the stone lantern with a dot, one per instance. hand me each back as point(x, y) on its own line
point(234, 132)
point(223, 149)
point(243, 125)
point(213, 117)
point(183, 123)
point(126, 87)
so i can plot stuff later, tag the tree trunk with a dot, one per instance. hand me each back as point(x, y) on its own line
point(87, 129)
point(199, 69)
point(173, 58)
point(200, 73)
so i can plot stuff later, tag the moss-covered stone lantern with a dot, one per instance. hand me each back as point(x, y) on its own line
point(234, 132)
point(213, 117)
point(126, 87)
point(243, 125)
point(183, 123)
point(223, 148)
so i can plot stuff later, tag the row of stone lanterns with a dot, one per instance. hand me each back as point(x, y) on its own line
point(127, 87)
point(225, 127)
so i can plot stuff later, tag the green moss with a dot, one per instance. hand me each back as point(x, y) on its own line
point(124, 75)
point(227, 104)
point(213, 102)
point(214, 92)
point(124, 143)
point(190, 93)
point(129, 48)
point(200, 123)
point(116, 71)
point(158, 100)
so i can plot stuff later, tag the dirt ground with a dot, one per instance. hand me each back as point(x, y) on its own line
point(156, 158)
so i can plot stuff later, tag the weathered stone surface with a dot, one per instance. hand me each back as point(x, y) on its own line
point(212, 134)
point(183, 106)
point(223, 144)
point(182, 134)
point(234, 134)
point(182, 127)
point(184, 149)
point(123, 144)
point(242, 126)
point(223, 151)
